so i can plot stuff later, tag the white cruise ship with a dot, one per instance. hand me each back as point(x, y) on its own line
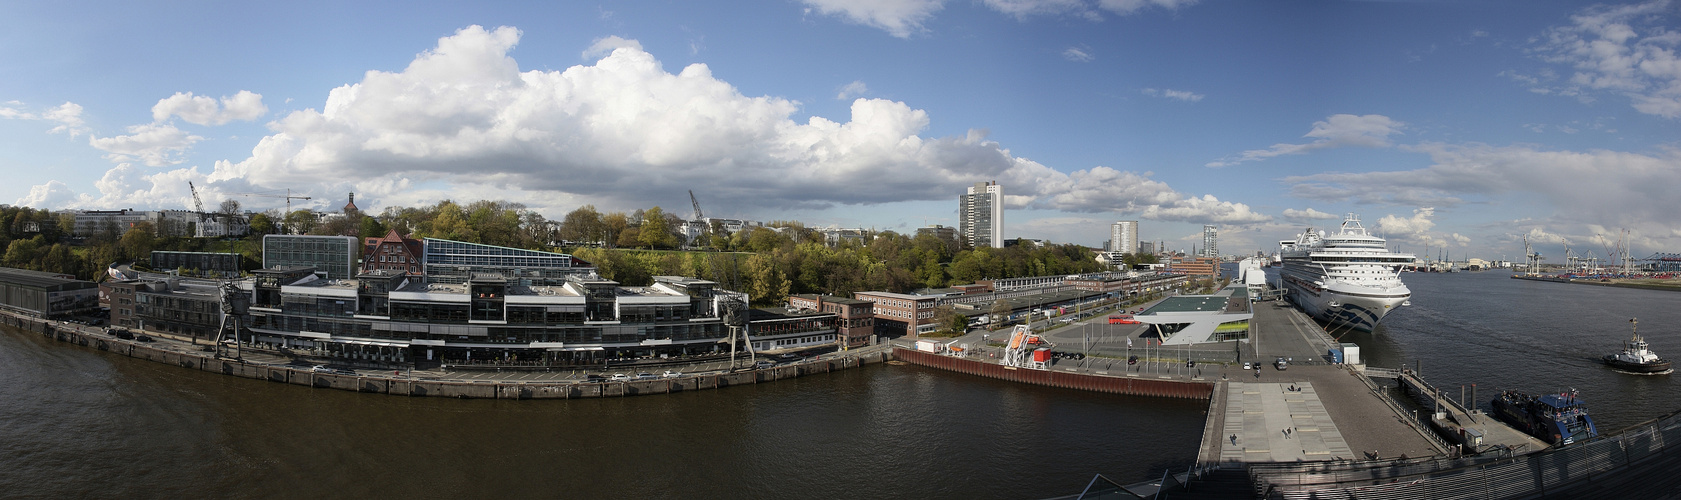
point(1347, 279)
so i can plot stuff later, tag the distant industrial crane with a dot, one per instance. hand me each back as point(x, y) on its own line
point(692, 199)
point(197, 205)
point(288, 196)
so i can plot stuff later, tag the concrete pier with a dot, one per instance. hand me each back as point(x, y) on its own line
point(187, 355)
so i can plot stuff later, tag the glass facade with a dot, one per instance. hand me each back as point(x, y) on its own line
point(449, 261)
point(334, 255)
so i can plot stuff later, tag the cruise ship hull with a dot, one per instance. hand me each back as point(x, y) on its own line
point(1344, 306)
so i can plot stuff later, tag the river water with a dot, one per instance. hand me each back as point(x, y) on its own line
point(81, 423)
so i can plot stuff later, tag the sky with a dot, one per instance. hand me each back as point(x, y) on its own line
point(1448, 127)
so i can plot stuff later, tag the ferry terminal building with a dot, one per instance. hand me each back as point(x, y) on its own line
point(483, 304)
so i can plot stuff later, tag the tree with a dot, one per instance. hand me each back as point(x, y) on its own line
point(230, 208)
point(583, 225)
point(23, 253)
point(630, 237)
point(138, 241)
point(301, 222)
point(950, 321)
point(261, 224)
point(767, 284)
point(613, 225)
point(656, 230)
point(371, 228)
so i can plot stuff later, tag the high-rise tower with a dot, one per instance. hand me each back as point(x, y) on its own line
point(1123, 236)
point(980, 215)
point(1210, 241)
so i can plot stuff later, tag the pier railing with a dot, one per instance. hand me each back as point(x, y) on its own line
point(1417, 422)
point(1595, 467)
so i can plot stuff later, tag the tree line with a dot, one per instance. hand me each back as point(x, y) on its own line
point(768, 262)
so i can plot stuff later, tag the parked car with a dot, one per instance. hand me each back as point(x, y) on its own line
point(1281, 364)
point(763, 364)
point(645, 376)
point(120, 333)
point(620, 377)
point(671, 374)
point(787, 358)
point(143, 338)
point(593, 378)
point(1248, 366)
point(320, 369)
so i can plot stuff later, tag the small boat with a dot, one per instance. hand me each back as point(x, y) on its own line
point(1636, 358)
point(1558, 419)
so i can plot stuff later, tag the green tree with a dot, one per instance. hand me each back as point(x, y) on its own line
point(656, 230)
point(950, 321)
point(451, 224)
point(583, 225)
point(137, 243)
point(767, 283)
point(301, 222)
point(371, 228)
point(23, 253)
point(261, 224)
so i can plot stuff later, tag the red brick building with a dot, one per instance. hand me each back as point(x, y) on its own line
point(394, 253)
point(855, 319)
point(1195, 267)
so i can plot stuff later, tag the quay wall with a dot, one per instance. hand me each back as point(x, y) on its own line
point(423, 387)
point(1066, 380)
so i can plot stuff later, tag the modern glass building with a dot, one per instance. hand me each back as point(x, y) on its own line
point(386, 317)
point(335, 255)
point(449, 261)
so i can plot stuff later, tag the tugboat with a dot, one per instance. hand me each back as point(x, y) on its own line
point(1558, 419)
point(1635, 357)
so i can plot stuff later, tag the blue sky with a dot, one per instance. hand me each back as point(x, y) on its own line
point(1464, 125)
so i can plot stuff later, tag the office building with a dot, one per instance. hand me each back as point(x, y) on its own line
point(1123, 236)
point(980, 215)
point(91, 222)
point(205, 263)
point(391, 317)
point(1210, 241)
point(333, 255)
point(448, 261)
point(46, 295)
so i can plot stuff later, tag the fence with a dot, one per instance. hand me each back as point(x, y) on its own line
point(1591, 467)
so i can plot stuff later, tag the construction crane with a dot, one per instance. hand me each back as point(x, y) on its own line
point(197, 205)
point(288, 196)
point(692, 199)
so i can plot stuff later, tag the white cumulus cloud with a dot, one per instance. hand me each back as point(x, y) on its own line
point(1343, 130)
point(205, 110)
point(1078, 54)
point(52, 195)
point(155, 144)
point(624, 132)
